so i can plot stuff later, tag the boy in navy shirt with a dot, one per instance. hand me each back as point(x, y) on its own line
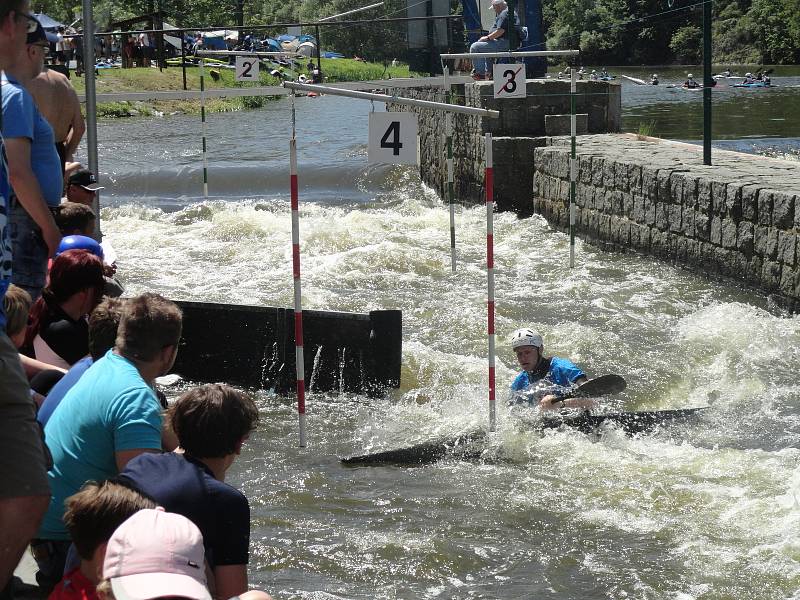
point(211, 422)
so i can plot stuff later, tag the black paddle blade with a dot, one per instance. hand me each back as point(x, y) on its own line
point(599, 386)
point(631, 422)
point(422, 454)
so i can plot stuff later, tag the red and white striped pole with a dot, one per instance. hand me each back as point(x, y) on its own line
point(298, 302)
point(490, 274)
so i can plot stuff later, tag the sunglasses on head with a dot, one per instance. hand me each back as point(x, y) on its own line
point(32, 24)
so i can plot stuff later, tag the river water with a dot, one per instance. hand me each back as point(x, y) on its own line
point(701, 510)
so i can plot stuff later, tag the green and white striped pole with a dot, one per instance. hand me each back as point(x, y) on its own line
point(573, 169)
point(448, 128)
point(203, 119)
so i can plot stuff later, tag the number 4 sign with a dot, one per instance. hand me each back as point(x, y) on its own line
point(393, 138)
point(509, 81)
point(246, 68)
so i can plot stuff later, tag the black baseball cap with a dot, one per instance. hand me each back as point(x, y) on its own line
point(86, 179)
point(37, 36)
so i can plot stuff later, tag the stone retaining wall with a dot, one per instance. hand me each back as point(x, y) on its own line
point(739, 218)
point(516, 133)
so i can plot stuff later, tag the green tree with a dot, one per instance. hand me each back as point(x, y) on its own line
point(687, 44)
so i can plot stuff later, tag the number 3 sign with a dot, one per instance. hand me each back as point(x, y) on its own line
point(393, 138)
point(509, 81)
point(246, 68)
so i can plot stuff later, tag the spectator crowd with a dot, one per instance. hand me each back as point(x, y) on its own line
point(117, 493)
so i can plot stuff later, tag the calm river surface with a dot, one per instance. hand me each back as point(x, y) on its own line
point(706, 510)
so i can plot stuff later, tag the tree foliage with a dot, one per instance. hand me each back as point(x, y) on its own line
point(666, 31)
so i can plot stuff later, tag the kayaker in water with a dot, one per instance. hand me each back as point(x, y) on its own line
point(748, 79)
point(593, 76)
point(690, 83)
point(654, 79)
point(528, 345)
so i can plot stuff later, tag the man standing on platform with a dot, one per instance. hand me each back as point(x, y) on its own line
point(33, 167)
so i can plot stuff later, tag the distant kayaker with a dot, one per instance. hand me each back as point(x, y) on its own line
point(528, 345)
point(748, 79)
point(653, 79)
point(593, 76)
point(690, 83)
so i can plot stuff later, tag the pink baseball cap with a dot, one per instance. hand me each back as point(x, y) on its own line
point(156, 553)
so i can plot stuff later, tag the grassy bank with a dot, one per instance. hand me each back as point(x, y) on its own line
point(110, 81)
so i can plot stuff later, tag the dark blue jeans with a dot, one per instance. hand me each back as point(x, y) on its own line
point(29, 251)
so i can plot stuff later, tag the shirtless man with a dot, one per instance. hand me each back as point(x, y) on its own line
point(59, 104)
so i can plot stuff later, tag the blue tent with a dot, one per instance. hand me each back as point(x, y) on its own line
point(274, 46)
point(48, 22)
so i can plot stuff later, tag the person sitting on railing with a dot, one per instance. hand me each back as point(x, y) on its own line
point(495, 41)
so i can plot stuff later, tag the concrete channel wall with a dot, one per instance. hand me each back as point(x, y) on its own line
point(523, 126)
point(254, 346)
point(739, 218)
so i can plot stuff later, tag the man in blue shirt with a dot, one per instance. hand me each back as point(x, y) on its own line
point(24, 492)
point(34, 170)
point(106, 419)
point(495, 41)
point(212, 422)
point(529, 348)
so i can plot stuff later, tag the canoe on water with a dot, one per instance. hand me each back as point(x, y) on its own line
point(469, 446)
point(635, 80)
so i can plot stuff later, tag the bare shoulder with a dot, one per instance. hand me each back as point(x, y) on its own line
point(56, 78)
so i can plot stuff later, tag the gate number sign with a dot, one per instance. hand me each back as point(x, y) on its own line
point(509, 81)
point(246, 68)
point(393, 138)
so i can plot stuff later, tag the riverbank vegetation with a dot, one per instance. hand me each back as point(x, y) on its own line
point(670, 31)
point(109, 81)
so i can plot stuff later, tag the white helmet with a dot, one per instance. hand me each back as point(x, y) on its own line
point(526, 337)
point(691, 76)
point(748, 74)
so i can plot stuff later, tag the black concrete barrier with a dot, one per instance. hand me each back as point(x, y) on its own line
point(254, 346)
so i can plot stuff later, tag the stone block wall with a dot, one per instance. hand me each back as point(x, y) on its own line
point(739, 220)
point(516, 133)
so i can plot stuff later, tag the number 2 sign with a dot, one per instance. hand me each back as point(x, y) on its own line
point(393, 138)
point(246, 68)
point(509, 81)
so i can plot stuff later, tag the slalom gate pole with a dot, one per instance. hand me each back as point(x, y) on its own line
point(490, 275)
point(448, 128)
point(298, 301)
point(573, 168)
point(203, 119)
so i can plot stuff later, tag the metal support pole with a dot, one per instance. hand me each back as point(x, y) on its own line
point(335, 91)
point(490, 277)
point(183, 58)
point(573, 167)
point(203, 119)
point(91, 104)
point(319, 50)
point(708, 81)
